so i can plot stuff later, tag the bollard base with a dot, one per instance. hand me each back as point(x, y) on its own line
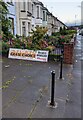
point(52, 106)
point(60, 78)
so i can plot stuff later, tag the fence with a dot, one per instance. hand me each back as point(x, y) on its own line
point(56, 53)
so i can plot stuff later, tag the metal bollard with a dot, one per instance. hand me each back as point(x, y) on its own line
point(52, 103)
point(62, 51)
point(61, 59)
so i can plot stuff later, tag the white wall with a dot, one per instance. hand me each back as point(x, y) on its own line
point(22, 17)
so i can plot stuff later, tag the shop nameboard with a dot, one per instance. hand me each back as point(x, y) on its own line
point(38, 55)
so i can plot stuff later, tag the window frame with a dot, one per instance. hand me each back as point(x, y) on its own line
point(37, 12)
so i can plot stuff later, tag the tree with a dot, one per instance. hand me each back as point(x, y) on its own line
point(5, 23)
point(37, 35)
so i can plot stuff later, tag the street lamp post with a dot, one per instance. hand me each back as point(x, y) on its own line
point(75, 20)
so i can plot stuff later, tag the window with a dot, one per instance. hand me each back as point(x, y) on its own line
point(23, 23)
point(23, 28)
point(46, 16)
point(32, 26)
point(24, 31)
point(37, 11)
point(29, 28)
point(43, 15)
point(12, 25)
point(28, 5)
point(24, 6)
point(32, 9)
point(10, 2)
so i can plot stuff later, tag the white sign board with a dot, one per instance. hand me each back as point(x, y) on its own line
point(39, 55)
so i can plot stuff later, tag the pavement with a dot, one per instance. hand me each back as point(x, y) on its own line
point(26, 88)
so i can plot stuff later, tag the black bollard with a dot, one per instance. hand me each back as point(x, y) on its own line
point(62, 51)
point(61, 59)
point(52, 103)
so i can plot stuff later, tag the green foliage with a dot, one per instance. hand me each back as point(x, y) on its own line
point(37, 37)
point(0, 47)
point(50, 48)
point(5, 47)
point(17, 43)
point(5, 23)
point(56, 34)
point(71, 32)
point(59, 38)
point(38, 34)
point(3, 8)
point(63, 31)
point(6, 26)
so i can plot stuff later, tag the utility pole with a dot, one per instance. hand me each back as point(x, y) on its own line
point(75, 20)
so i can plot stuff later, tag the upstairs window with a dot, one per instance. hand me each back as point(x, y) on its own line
point(43, 15)
point(24, 6)
point(24, 31)
point(32, 9)
point(46, 16)
point(23, 28)
point(37, 11)
point(23, 23)
point(28, 6)
point(12, 25)
point(10, 2)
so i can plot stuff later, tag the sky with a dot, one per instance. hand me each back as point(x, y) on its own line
point(68, 11)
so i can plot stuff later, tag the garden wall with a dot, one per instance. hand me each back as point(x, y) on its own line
point(68, 53)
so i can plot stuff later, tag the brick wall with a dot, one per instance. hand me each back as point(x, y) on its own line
point(68, 53)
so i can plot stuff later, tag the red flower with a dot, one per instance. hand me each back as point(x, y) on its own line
point(62, 42)
point(0, 36)
point(62, 37)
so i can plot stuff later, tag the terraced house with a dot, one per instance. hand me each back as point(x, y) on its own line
point(31, 13)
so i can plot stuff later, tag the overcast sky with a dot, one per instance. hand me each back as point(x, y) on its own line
point(66, 10)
